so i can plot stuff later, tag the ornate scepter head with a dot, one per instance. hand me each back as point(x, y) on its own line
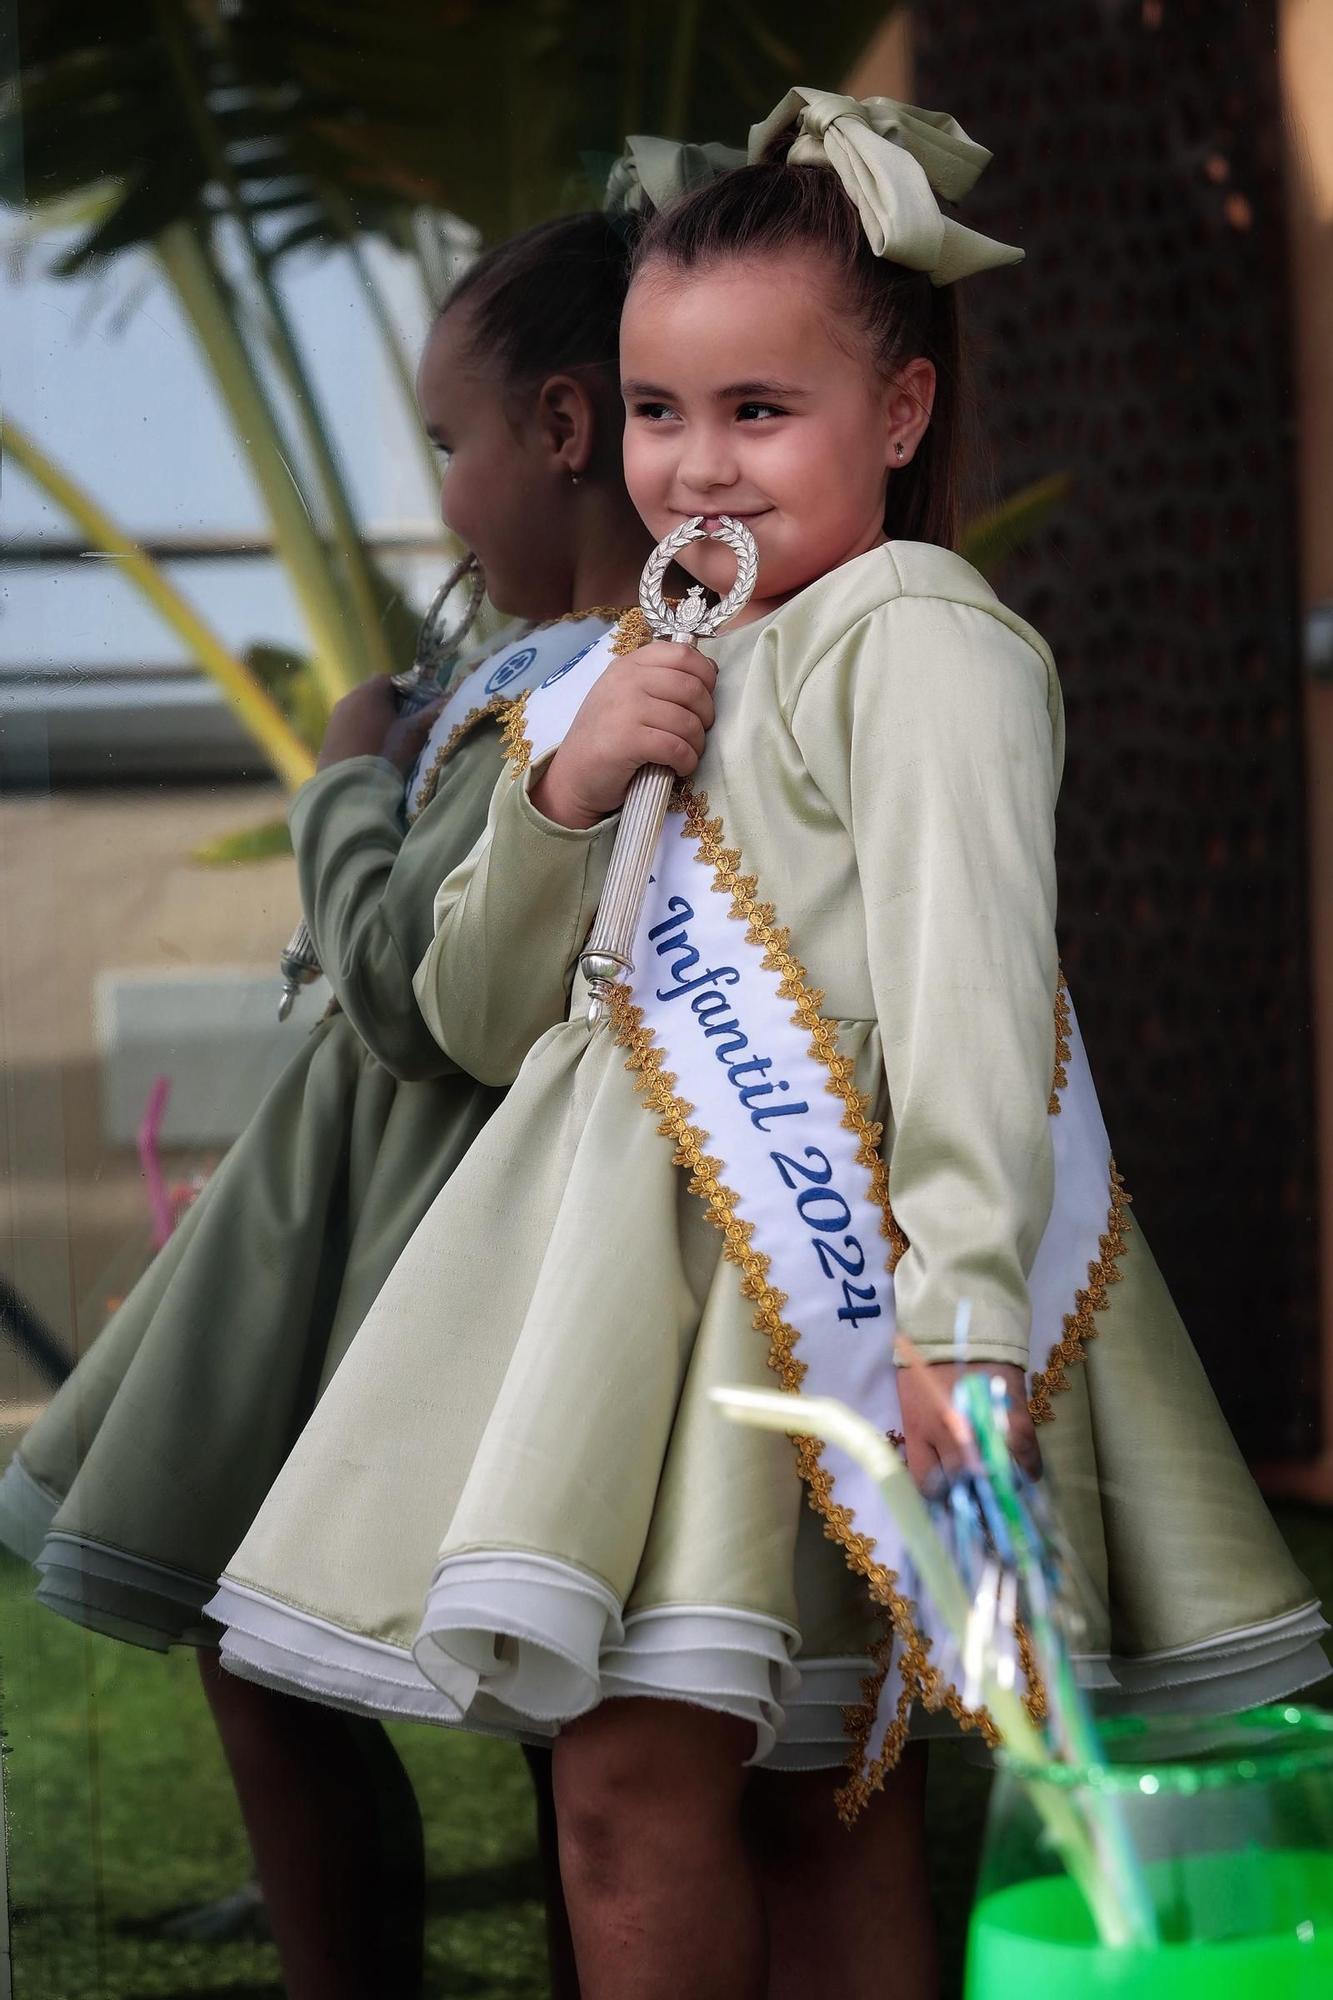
point(438, 639)
point(607, 954)
point(693, 618)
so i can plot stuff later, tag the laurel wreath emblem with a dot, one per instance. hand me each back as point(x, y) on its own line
point(694, 618)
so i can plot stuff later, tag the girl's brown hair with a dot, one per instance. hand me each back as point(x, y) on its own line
point(769, 208)
point(548, 301)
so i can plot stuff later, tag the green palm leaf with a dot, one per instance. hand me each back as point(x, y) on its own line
point(992, 537)
point(482, 110)
point(269, 841)
point(203, 128)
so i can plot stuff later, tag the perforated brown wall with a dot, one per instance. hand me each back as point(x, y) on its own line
point(1143, 349)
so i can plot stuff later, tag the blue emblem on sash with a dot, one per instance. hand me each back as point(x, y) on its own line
point(510, 668)
point(569, 665)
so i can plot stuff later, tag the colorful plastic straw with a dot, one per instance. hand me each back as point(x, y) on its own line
point(1118, 1902)
point(1007, 1532)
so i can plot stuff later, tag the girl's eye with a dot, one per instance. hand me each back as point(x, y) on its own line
point(752, 412)
point(654, 413)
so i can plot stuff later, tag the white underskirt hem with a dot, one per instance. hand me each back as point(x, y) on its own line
point(1247, 1668)
point(552, 1635)
point(295, 1652)
point(515, 1645)
point(545, 1642)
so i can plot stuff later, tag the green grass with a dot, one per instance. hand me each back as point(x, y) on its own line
point(120, 1812)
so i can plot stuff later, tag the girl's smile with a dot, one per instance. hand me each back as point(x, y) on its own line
point(743, 398)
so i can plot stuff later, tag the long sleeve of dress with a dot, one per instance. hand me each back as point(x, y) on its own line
point(955, 728)
point(368, 887)
point(509, 925)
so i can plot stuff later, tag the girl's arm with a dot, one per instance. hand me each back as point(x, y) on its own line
point(367, 888)
point(510, 922)
point(950, 796)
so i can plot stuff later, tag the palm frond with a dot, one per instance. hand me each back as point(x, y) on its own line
point(266, 842)
point(256, 709)
point(994, 536)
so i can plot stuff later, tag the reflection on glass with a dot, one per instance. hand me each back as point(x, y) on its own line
point(226, 233)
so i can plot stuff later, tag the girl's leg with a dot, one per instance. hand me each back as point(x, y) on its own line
point(559, 1943)
point(662, 1894)
point(336, 1836)
point(848, 1909)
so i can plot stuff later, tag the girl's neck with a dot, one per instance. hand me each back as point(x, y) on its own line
point(611, 547)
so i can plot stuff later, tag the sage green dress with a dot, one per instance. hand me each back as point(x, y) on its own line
point(146, 1469)
point(516, 1498)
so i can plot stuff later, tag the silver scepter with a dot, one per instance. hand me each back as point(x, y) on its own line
point(607, 954)
point(436, 648)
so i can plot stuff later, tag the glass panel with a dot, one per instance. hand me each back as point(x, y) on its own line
point(225, 235)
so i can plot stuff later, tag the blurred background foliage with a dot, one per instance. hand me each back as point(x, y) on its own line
point(227, 136)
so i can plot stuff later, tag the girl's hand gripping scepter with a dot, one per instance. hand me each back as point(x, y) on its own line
point(436, 648)
point(607, 952)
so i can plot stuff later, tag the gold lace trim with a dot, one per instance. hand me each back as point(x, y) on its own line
point(1035, 1699)
point(610, 612)
point(513, 733)
point(922, 1680)
point(1080, 1325)
point(499, 705)
point(430, 784)
point(1063, 1029)
point(632, 631)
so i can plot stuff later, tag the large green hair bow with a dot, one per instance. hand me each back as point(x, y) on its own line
point(654, 173)
point(894, 160)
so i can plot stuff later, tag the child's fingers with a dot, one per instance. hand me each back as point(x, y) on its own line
point(376, 692)
point(677, 721)
point(1023, 1445)
point(417, 727)
point(687, 690)
point(683, 659)
point(923, 1460)
point(670, 747)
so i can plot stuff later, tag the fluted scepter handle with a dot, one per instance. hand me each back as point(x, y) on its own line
point(608, 953)
point(299, 966)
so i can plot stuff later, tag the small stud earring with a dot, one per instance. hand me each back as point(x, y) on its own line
point(901, 449)
point(576, 479)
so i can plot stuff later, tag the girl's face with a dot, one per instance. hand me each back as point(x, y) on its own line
point(495, 489)
point(740, 400)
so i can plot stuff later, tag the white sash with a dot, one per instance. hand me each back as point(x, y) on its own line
point(720, 1021)
point(519, 660)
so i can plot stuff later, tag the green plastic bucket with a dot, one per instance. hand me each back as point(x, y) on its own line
point(1231, 1820)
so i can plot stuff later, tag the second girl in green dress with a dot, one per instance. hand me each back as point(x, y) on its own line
point(134, 1486)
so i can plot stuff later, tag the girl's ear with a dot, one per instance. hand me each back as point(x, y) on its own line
point(566, 424)
point(907, 411)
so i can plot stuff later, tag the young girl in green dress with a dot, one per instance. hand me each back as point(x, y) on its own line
point(141, 1477)
point(844, 1051)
